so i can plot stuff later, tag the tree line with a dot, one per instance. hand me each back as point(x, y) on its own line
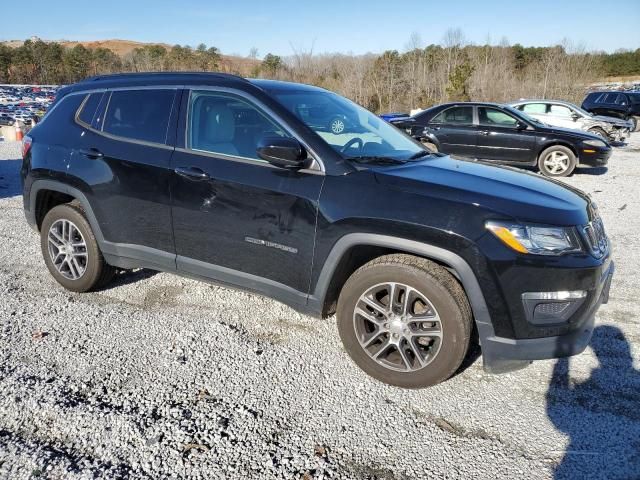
point(418, 76)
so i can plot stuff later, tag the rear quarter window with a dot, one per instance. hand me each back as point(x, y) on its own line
point(88, 108)
point(139, 114)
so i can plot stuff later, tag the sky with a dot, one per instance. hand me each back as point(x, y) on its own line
point(348, 26)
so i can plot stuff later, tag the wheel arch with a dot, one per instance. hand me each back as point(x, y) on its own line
point(331, 277)
point(561, 143)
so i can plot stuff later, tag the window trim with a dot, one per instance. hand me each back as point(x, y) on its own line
point(316, 167)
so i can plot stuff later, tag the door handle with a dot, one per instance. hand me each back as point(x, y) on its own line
point(192, 173)
point(92, 153)
point(484, 132)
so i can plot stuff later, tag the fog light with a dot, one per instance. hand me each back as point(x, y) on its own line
point(548, 308)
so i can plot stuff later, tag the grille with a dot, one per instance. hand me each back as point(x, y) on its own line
point(596, 238)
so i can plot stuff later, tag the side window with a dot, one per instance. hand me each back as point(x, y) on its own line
point(456, 116)
point(139, 114)
point(600, 98)
point(611, 97)
point(560, 111)
point(535, 108)
point(492, 117)
point(622, 99)
point(88, 108)
point(223, 123)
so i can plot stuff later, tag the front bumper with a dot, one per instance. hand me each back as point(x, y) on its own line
point(505, 354)
point(594, 156)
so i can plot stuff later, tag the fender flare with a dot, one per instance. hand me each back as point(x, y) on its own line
point(461, 268)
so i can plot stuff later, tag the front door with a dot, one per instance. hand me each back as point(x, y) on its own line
point(237, 218)
point(500, 139)
point(455, 130)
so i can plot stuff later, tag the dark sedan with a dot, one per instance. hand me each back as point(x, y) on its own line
point(500, 133)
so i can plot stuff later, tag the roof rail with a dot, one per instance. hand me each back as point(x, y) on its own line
point(137, 75)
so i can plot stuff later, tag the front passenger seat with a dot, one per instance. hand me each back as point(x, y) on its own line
point(219, 129)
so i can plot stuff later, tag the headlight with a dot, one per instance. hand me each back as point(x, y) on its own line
point(536, 239)
point(595, 143)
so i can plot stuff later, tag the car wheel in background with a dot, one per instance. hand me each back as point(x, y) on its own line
point(432, 147)
point(600, 132)
point(635, 127)
point(405, 321)
point(70, 250)
point(337, 125)
point(557, 161)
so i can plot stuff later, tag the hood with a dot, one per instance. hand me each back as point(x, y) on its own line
point(503, 191)
point(612, 120)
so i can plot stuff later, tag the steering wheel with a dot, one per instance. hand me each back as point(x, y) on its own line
point(351, 143)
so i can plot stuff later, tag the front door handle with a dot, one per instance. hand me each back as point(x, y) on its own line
point(192, 173)
point(92, 153)
point(484, 132)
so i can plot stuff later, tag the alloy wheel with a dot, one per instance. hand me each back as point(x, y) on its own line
point(67, 249)
point(398, 327)
point(557, 162)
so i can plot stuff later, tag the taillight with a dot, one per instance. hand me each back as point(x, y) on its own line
point(26, 145)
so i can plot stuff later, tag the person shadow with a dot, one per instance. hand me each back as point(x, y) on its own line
point(601, 415)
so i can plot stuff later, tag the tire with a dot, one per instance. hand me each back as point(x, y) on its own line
point(90, 271)
point(432, 147)
point(337, 125)
point(600, 132)
point(635, 124)
point(422, 280)
point(561, 152)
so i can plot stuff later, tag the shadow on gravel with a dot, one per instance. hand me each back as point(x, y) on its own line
point(601, 415)
point(591, 171)
point(129, 276)
point(10, 178)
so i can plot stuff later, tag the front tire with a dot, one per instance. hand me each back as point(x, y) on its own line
point(557, 161)
point(70, 250)
point(635, 121)
point(405, 321)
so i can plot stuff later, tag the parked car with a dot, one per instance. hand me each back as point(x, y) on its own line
point(393, 116)
point(564, 114)
point(502, 134)
point(625, 105)
point(223, 179)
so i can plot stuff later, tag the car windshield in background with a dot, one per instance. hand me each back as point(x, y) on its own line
point(351, 130)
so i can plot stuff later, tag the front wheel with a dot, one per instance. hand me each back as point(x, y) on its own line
point(70, 250)
point(405, 321)
point(557, 161)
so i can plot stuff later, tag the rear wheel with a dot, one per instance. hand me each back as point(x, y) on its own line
point(635, 124)
point(405, 321)
point(70, 250)
point(557, 161)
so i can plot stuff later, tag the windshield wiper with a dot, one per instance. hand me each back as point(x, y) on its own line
point(421, 154)
point(377, 160)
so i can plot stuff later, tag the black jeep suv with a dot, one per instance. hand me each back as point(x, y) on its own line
point(502, 134)
point(219, 178)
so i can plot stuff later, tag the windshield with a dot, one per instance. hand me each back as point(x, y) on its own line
point(351, 130)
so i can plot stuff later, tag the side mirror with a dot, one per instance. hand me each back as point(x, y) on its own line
point(282, 152)
point(575, 117)
point(521, 126)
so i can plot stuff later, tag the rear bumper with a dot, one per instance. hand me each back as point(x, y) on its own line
point(505, 354)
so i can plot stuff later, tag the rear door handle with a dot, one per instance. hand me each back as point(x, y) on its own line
point(92, 153)
point(192, 173)
point(484, 132)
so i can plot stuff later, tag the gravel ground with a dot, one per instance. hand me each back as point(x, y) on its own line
point(162, 377)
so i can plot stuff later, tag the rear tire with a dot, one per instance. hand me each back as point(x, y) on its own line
point(422, 347)
point(70, 250)
point(635, 124)
point(557, 161)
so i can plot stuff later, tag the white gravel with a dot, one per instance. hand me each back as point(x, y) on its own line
point(163, 377)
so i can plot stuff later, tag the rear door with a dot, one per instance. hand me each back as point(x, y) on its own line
point(455, 131)
point(500, 139)
point(124, 169)
point(237, 218)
